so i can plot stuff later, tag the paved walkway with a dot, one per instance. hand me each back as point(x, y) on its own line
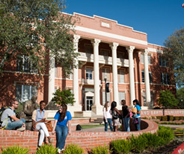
point(101, 129)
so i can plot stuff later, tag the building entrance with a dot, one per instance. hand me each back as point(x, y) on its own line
point(89, 103)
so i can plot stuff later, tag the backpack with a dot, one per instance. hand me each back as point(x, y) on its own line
point(78, 127)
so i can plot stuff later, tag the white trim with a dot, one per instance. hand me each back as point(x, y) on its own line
point(155, 50)
point(110, 35)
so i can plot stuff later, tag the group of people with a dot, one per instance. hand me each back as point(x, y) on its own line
point(61, 126)
point(112, 116)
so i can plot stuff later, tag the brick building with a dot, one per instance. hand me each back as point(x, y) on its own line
point(107, 50)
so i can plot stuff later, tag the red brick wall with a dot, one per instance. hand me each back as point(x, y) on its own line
point(86, 140)
point(174, 112)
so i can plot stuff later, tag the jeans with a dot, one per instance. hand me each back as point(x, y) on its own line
point(138, 126)
point(126, 122)
point(61, 134)
point(15, 124)
point(109, 120)
point(43, 132)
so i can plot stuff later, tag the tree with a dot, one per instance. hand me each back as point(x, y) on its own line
point(175, 50)
point(63, 97)
point(34, 27)
point(180, 96)
point(167, 99)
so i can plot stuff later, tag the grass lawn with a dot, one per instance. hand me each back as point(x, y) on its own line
point(91, 126)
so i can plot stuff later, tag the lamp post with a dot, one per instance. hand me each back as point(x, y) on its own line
point(105, 79)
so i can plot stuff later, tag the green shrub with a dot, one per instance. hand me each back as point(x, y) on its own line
point(120, 146)
point(164, 118)
point(138, 143)
point(15, 150)
point(153, 140)
point(73, 149)
point(176, 118)
point(47, 149)
point(159, 117)
point(166, 133)
point(100, 150)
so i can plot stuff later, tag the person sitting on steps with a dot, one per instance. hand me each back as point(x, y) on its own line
point(39, 118)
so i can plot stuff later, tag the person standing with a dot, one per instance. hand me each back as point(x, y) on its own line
point(125, 115)
point(107, 116)
point(39, 118)
point(62, 119)
point(9, 119)
point(115, 116)
point(138, 107)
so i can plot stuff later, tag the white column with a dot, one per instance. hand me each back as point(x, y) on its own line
point(75, 72)
point(115, 73)
point(146, 74)
point(131, 73)
point(51, 77)
point(96, 103)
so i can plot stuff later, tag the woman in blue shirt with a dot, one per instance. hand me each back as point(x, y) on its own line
point(137, 105)
point(62, 119)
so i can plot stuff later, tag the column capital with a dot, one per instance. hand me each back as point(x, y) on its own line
point(95, 42)
point(130, 49)
point(76, 38)
point(114, 45)
point(146, 51)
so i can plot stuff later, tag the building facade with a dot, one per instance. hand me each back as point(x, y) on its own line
point(108, 52)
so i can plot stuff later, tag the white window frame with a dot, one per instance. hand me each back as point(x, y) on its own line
point(22, 92)
point(122, 96)
point(89, 71)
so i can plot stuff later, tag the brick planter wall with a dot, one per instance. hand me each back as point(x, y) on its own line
point(159, 112)
point(85, 140)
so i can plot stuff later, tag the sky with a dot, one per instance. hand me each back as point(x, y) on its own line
point(158, 18)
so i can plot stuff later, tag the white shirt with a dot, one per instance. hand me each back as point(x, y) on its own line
point(107, 113)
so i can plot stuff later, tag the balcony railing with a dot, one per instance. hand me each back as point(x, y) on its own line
point(102, 59)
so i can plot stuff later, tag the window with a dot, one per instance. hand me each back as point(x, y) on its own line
point(108, 97)
point(150, 77)
point(121, 96)
point(162, 61)
point(121, 76)
point(89, 73)
point(106, 74)
point(24, 64)
point(165, 78)
point(55, 69)
point(144, 98)
point(25, 92)
point(142, 59)
point(142, 75)
point(149, 59)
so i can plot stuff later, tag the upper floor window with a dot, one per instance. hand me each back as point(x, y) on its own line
point(106, 74)
point(89, 73)
point(163, 61)
point(121, 76)
point(142, 59)
point(165, 78)
point(24, 64)
point(143, 77)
